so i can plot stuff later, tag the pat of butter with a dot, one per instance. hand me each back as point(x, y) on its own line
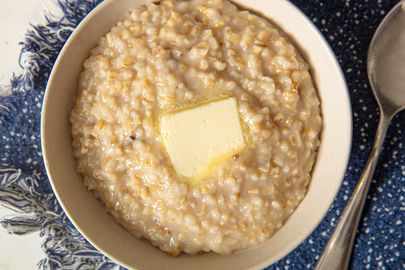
point(199, 138)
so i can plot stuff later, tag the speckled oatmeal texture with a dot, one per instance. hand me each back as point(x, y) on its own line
point(173, 54)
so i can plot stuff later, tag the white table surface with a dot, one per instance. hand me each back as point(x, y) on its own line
point(18, 252)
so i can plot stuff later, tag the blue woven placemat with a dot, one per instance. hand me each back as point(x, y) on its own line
point(347, 25)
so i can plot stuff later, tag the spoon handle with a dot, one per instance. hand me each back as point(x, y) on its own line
point(336, 255)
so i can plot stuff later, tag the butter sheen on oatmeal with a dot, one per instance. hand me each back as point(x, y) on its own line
point(176, 54)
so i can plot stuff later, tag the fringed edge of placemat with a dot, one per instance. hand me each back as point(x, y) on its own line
point(29, 195)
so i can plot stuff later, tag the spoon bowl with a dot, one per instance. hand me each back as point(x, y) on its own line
point(386, 58)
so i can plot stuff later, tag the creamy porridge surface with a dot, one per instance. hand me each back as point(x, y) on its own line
point(175, 54)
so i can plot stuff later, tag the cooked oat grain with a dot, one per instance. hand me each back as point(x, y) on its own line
point(176, 53)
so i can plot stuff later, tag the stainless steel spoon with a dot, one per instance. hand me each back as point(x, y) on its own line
point(386, 72)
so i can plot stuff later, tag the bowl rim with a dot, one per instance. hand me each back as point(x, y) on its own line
point(346, 151)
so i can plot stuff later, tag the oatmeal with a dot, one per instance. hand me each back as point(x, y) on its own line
point(178, 54)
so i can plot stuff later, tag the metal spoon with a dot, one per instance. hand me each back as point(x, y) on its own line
point(386, 73)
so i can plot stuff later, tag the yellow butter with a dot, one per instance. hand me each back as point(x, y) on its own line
point(199, 138)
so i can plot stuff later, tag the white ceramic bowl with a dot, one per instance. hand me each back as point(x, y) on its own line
point(88, 214)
